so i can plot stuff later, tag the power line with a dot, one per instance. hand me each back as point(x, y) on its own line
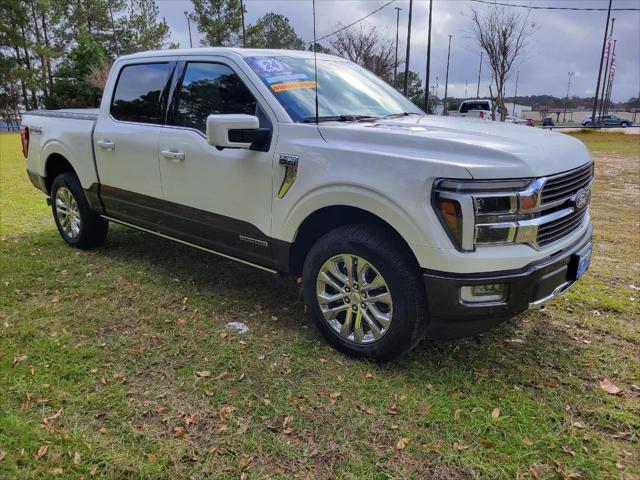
point(352, 24)
point(537, 7)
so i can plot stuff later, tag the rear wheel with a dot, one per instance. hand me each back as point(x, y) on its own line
point(363, 290)
point(77, 224)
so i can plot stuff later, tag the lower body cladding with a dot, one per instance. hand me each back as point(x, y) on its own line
point(461, 305)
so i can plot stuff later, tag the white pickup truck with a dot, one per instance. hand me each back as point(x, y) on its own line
point(481, 108)
point(398, 223)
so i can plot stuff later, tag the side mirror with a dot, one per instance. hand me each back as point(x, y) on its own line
point(237, 131)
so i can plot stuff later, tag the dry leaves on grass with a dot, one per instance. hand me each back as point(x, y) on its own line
point(48, 419)
point(402, 443)
point(495, 413)
point(457, 446)
point(610, 388)
point(77, 458)
point(42, 451)
point(203, 374)
point(2, 455)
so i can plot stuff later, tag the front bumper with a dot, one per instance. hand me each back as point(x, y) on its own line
point(532, 285)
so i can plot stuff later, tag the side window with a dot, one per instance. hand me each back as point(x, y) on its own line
point(210, 88)
point(464, 108)
point(138, 92)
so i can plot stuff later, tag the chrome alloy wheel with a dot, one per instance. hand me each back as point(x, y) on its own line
point(354, 298)
point(67, 212)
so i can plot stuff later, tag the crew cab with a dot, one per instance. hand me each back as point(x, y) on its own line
point(399, 224)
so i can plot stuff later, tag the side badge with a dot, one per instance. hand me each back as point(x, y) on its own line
point(290, 162)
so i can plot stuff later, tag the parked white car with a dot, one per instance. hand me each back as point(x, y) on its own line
point(399, 223)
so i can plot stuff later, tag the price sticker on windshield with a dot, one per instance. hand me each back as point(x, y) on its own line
point(268, 65)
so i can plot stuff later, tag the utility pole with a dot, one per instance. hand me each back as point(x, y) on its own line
point(564, 116)
point(479, 73)
point(426, 80)
point(113, 29)
point(244, 35)
point(395, 64)
point(186, 14)
point(466, 84)
point(515, 95)
point(594, 120)
point(605, 87)
point(406, 65)
point(445, 108)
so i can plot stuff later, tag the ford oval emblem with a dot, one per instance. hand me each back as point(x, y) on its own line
point(582, 199)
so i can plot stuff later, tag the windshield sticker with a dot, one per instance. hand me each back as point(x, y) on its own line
point(267, 65)
point(282, 87)
point(287, 78)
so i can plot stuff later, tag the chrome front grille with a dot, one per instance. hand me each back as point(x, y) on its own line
point(557, 229)
point(561, 187)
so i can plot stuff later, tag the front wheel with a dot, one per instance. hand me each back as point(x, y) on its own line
point(77, 224)
point(363, 290)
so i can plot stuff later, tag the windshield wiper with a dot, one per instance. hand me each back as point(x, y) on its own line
point(340, 118)
point(401, 114)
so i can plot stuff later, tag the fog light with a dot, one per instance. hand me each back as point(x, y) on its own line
point(496, 292)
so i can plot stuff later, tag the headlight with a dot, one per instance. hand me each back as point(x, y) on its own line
point(486, 212)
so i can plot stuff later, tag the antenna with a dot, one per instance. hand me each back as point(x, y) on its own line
point(315, 59)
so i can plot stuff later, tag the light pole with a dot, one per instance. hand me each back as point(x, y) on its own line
point(406, 66)
point(479, 73)
point(445, 109)
point(466, 85)
point(612, 74)
point(564, 116)
point(426, 81)
point(186, 14)
point(395, 64)
point(515, 95)
point(604, 43)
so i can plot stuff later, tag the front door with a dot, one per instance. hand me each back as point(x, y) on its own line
point(219, 199)
point(126, 144)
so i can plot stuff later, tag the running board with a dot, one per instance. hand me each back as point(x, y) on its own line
point(220, 254)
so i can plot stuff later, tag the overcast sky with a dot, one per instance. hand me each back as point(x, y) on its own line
point(564, 41)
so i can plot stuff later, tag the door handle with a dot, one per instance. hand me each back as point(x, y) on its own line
point(106, 144)
point(173, 155)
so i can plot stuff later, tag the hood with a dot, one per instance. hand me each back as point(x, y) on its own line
point(487, 150)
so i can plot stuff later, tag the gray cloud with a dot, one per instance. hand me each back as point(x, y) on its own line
point(565, 40)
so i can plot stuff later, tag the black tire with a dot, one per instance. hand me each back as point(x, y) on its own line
point(92, 229)
point(386, 253)
point(625, 124)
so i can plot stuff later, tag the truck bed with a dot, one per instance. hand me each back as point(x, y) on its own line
point(70, 113)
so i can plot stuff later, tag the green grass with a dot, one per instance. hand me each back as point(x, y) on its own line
point(112, 340)
point(613, 143)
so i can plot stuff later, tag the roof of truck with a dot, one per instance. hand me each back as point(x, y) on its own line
point(243, 52)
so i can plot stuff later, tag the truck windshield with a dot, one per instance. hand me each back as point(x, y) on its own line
point(345, 90)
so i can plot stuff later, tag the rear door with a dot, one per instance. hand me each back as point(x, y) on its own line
point(126, 142)
point(217, 198)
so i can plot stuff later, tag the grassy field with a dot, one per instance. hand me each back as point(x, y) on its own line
point(115, 363)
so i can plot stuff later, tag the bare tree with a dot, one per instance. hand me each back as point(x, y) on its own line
point(366, 47)
point(504, 37)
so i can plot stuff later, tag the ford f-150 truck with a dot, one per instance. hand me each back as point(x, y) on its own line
point(398, 223)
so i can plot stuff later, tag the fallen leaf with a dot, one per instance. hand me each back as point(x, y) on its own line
point(76, 458)
point(203, 373)
point(102, 430)
point(526, 441)
point(46, 420)
point(429, 386)
point(456, 414)
point(495, 413)
point(160, 409)
point(93, 471)
point(222, 428)
point(223, 375)
point(152, 458)
point(2, 455)
point(392, 410)
point(19, 359)
point(578, 425)
point(458, 446)
point(334, 396)
point(42, 451)
point(227, 409)
point(610, 388)
point(179, 431)
point(402, 443)
point(370, 410)
point(566, 449)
